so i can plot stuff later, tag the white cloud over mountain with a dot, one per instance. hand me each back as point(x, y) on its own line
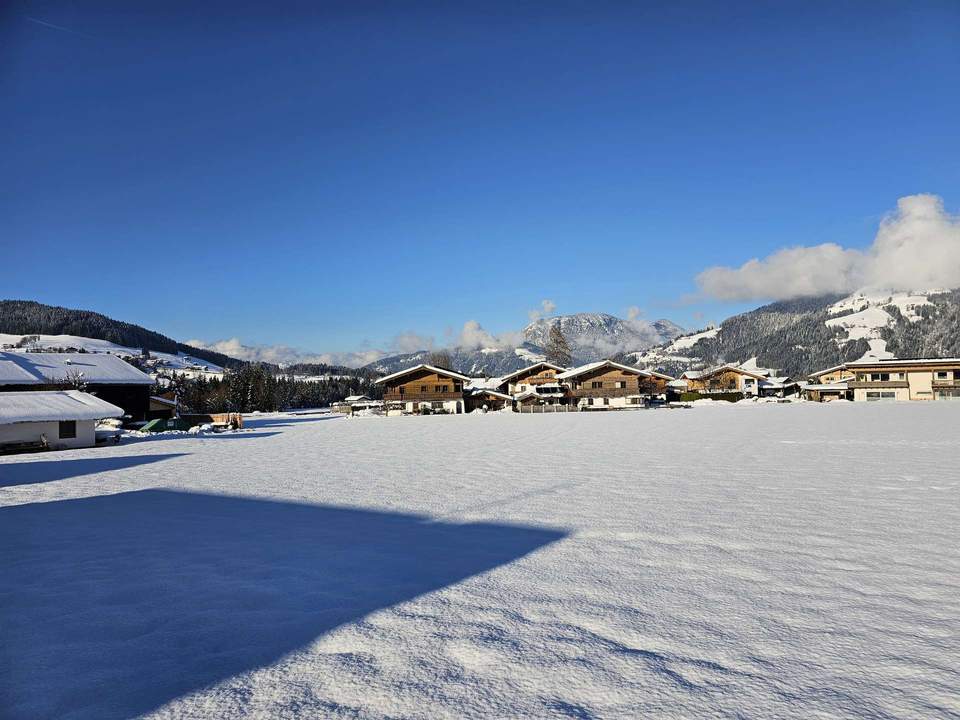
point(916, 247)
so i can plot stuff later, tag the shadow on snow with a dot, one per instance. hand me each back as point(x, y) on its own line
point(266, 422)
point(41, 471)
point(114, 605)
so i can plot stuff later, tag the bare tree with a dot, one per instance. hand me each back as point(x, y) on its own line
point(73, 380)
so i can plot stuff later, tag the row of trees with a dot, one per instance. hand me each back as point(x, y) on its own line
point(255, 387)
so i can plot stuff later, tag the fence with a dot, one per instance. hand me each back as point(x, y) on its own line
point(537, 409)
point(234, 420)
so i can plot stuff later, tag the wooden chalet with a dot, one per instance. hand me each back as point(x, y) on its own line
point(424, 388)
point(723, 379)
point(608, 385)
point(537, 383)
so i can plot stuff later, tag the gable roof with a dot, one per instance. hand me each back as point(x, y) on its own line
point(487, 391)
point(355, 398)
point(53, 406)
point(423, 366)
point(828, 370)
point(528, 368)
point(709, 372)
point(589, 367)
point(47, 368)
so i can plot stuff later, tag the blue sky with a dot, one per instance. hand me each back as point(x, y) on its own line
point(328, 176)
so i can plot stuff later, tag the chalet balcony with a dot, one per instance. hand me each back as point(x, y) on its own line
point(946, 382)
point(876, 384)
point(421, 396)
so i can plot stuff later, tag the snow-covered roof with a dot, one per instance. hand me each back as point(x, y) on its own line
point(163, 400)
point(47, 368)
point(483, 384)
point(528, 368)
point(355, 398)
point(424, 366)
point(589, 367)
point(828, 370)
point(698, 374)
point(898, 362)
point(53, 406)
point(489, 391)
point(776, 381)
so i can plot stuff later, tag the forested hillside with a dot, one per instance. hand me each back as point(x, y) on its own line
point(935, 334)
point(26, 317)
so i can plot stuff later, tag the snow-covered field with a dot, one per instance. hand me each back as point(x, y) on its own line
point(750, 561)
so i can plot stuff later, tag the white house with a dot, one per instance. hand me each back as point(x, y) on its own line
point(55, 419)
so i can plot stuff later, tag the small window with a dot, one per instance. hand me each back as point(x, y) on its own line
point(606, 401)
point(423, 388)
point(68, 429)
point(589, 401)
point(942, 375)
point(621, 384)
point(401, 389)
point(597, 384)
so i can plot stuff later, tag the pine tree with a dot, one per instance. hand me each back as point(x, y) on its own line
point(558, 351)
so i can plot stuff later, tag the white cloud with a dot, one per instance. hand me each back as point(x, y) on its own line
point(916, 248)
point(474, 337)
point(546, 308)
point(409, 341)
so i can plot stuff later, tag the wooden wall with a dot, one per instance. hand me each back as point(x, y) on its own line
point(582, 385)
point(422, 385)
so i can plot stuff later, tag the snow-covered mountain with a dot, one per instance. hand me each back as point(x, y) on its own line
point(591, 336)
point(596, 335)
point(801, 336)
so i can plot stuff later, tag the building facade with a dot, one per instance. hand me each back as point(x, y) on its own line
point(51, 419)
point(424, 388)
point(608, 385)
point(537, 383)
point(904, 380)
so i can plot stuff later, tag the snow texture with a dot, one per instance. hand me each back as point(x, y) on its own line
point(751, 561)
point(53, 406)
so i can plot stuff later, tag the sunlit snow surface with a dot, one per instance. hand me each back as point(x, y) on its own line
point(797, 561)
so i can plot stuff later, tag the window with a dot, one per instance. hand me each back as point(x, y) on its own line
point(621, 384)
point(596, 384)
point(423, 388)
point(401, 389)
point(436, 405)
point(606, 401)
point(748, 382)
point(879, 377)
point(589, 401)
point(942, 375)
point(68, 429)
